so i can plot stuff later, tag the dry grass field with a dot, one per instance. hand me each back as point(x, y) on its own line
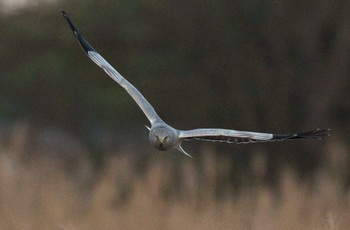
point(42, 191)
point(256, 65)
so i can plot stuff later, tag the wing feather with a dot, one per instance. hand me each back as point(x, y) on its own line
point(145, 106)
point(243, 137)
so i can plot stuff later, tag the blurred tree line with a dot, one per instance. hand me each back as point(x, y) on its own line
point(269, 66)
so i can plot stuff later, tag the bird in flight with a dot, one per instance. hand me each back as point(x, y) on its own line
point(165, 137)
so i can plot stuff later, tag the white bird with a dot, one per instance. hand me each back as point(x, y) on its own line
point(165, 137)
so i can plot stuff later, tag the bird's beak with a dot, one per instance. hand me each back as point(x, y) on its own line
point(161, 142)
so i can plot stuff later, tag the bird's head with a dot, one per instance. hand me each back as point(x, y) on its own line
point(163, 138)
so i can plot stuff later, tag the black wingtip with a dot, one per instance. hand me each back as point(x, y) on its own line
point(64, 13)
point(313, 134)
point(82, 42)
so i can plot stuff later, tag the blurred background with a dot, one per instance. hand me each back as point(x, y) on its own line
point(74, 152)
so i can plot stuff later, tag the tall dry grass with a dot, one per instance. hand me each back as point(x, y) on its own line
point(39, 191)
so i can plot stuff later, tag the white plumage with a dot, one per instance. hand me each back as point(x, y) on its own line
point(165, 137)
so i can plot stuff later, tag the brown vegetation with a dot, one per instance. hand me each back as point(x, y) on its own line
point(41, 192)
point(273, 66)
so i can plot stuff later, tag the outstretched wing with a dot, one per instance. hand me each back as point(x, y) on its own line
point(101, 62)
point(243, 137)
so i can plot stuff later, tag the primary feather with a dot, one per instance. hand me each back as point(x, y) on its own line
point(145, 106)
point(244, 137)
point(165, 137)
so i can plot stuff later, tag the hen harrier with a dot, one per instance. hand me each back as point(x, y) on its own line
point(165, 137)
